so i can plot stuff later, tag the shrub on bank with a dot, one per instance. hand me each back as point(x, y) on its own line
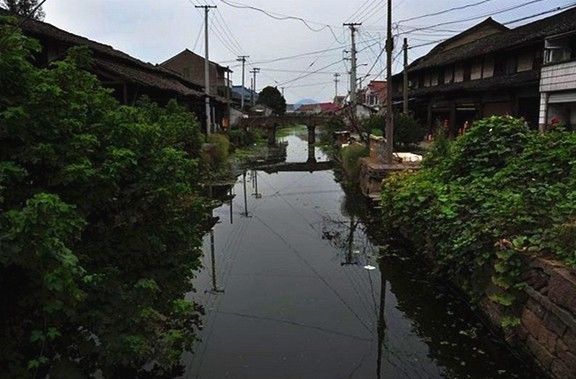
point(242, 138)
point(351, 155)
point(407, 130)
point(100, 223)
point(217, 154)
point(496, 192)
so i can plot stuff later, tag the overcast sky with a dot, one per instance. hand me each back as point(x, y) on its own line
point(155, 30)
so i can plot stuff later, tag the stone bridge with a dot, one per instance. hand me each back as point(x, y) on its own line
point(271, 123)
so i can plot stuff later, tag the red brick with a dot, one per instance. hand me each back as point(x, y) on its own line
point(531, 323)
point(542, 355)
point(559, 370)
point(562, 291)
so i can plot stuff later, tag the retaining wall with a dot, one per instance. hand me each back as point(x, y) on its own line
point(548, 317)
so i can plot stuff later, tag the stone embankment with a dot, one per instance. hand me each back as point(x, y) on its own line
point(547, 329)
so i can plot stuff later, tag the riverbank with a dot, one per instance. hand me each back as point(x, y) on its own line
point(303, 291)
point(485, 210)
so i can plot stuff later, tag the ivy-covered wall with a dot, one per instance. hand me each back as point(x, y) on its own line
point(484, 209)
point(547, 329)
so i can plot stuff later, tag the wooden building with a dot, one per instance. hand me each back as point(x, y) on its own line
point(130, 78)
point(486, 70)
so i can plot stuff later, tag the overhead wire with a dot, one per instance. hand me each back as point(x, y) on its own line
point(445, 11)
point(282, 17)
point(503, 10)
point(557, 9)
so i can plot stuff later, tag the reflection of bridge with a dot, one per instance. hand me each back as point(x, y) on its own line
point(296, 167)
point(271, 123)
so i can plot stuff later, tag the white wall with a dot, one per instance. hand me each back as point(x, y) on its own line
point(558, 77)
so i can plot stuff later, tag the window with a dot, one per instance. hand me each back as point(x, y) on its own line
point(559, 49)
point(510, 66)
point(467, 72)
point(449, 74)
point(441, 76)
point(186, 72)
point(505, 66)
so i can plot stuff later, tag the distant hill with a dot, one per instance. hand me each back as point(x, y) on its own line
point(301, 102)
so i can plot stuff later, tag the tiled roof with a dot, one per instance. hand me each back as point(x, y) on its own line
point(523, 35)
point(112, 61)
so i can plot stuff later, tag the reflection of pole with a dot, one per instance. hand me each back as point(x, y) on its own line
point(245, 198)
point(213, 260)
point(231, 203)
point(350, 244)
point(381, 323)
point(257, 195)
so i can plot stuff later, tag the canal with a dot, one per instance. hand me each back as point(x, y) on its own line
point(300, 293)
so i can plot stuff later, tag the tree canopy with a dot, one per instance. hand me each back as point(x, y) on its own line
point(100, 223)
point(24, 8)
point(271, 97)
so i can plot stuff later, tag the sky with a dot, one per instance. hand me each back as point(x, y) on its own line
point(155, 30)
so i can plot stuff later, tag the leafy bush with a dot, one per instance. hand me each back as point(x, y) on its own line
point(496, 192)
point(351, 155)
point(407, 131)
point(377, 132)
point(218, 155)
point(242, 138)
point(100, 223)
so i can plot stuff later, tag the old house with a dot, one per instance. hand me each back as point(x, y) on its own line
point(249, 95)
point(128, 77)
point(191, 66)
point(558, 80)
point(486, 70)
point(374, 95)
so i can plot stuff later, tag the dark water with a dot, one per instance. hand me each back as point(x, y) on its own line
point(300, 300)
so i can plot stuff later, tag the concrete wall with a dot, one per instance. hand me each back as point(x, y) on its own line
point(554, 78)
point(558, 77)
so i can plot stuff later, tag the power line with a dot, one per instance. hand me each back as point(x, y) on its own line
point(540, 14)
point(445, 11)
point(358, 10)
point(504, 10)
point(320, 69)
point(367, 11)
point(505, 23)
point(282, 17)
point(300, 55)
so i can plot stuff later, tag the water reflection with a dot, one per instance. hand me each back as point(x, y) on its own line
point(300, 301)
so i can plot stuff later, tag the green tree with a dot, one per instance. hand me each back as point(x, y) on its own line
point(271, 97)
point(24, 8)
point(407, 131)
point(100, 223)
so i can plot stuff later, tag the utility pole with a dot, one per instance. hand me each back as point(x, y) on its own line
point(389, 151)
point(228, 71)
point(254, 71)
point(242, 58)
point(336, 80)
point(405, 85)
point(353, 62)
point(206, 67)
